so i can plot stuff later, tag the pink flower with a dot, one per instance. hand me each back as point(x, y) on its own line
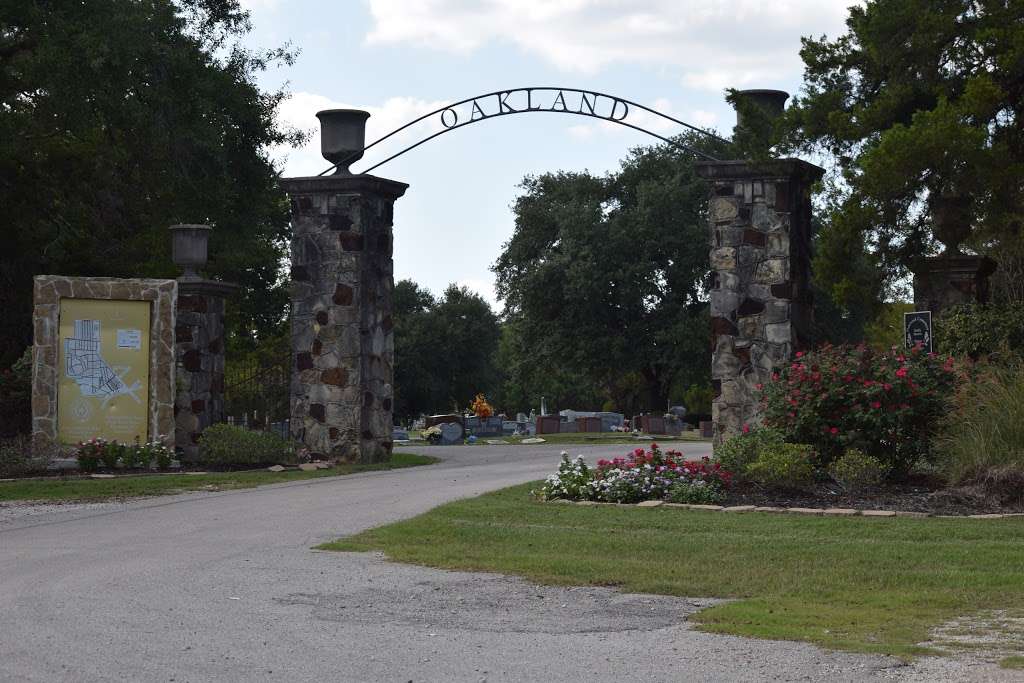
point(746, 429)
point(799, 354)
point(833, 431)
point(876, 405)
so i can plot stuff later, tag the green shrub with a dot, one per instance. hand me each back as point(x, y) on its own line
point(856, 470)
point(16, 458)
point(975, 330)
point(741, 450)
point(695, 493)
point(16, 397)
point(783, 466)
point(983, 441)
point(888, 404)
point(223, 445)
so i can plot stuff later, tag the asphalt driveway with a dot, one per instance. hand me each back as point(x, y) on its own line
point(224, 586)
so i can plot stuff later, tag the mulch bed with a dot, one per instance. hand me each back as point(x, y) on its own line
point(919, 494)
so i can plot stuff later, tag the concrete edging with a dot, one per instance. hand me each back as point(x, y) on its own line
point(816, 512)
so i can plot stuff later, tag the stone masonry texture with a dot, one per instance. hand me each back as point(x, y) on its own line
point(199, 354)
point(48, 292)
point(760, 220)
point(342, 338)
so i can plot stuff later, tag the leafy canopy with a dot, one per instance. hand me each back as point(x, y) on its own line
point(604, 278)
point(119, 119)
point(919, 105)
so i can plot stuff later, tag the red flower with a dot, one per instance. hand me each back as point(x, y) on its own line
point(902, 372)
point(799, 354)
point(746, 429)
point(834, 431)
point(876, 405)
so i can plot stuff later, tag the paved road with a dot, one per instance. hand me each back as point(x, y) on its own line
point(224, 586)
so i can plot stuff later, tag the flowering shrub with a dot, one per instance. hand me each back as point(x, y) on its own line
point(642, 475)
point(887, 404)
point(697, 492)
point(572, 481)
point(90, 453)
point(154, 453)
point(111, 454)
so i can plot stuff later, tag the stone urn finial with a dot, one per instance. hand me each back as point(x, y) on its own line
point(342, 137)
point(951, 220)
point(773, 102)
point(189, 247)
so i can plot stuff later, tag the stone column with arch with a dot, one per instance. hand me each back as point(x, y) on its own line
point(760, 230)
point(342, 281)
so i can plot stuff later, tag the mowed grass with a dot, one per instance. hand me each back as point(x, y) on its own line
point(869, 585)
point(78, 489)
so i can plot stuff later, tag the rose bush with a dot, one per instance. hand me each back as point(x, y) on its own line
point(887, 404)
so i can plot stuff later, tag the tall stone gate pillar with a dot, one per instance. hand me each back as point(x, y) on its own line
point(760, 221)
point(342, 281)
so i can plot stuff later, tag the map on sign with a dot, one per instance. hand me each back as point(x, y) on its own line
point(84, 363)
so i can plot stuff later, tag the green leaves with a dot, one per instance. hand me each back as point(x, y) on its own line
point(604, 280)
point(121, 119)
point(918, 100)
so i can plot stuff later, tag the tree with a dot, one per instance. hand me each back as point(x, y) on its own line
point(605, 277)
point(919, 105)
point(445, 349)
point(120, 119)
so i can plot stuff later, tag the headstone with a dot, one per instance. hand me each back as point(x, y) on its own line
point(451, 433)
point(548, 424)
point(611, 421)
point(399, 434)
point(588, 424)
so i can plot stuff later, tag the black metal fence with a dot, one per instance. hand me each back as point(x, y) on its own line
point(256, 396)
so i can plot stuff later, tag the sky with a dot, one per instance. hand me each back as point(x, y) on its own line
point(398, 59)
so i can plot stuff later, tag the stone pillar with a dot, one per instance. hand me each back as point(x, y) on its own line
point(199, 353)
point(760, 221)
point(342, 341)
point(951, 279)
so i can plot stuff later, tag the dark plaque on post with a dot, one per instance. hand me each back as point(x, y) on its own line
point(917, 329)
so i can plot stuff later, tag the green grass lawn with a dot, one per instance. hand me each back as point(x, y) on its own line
point(78, 489)
point(870, 585)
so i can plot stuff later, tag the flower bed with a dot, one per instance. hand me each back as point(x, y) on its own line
point(650, 474)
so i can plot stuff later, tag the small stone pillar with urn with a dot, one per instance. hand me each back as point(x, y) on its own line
point(199, 340)
point(952, 277)
point(342, 282)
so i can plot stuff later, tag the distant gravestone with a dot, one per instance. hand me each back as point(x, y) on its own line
point(399, 434)
point(451, 433)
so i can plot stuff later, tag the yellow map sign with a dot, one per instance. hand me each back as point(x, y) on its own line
point(104, 370)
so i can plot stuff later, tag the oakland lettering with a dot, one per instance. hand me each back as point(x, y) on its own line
point(535, 99)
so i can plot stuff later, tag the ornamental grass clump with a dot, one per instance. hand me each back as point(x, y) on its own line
point(887, 404)
point(641, 475)
point(983, 444)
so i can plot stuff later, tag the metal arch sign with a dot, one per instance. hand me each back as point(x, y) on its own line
point(540, 99)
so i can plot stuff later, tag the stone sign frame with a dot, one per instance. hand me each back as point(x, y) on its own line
point(47, 294)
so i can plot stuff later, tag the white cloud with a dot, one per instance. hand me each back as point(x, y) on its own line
point(299, 111)
point(713, 43)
